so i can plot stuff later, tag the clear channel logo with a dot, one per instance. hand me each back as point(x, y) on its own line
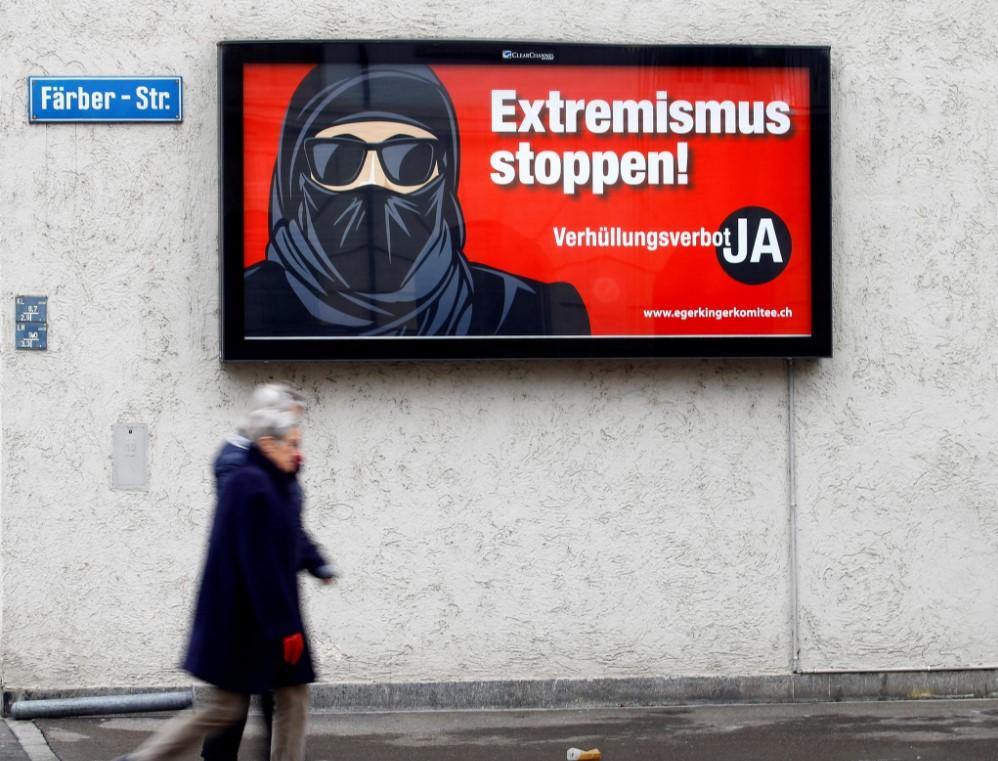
point(515, 55)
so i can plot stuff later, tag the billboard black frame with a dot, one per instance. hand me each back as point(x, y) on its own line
point(233, 55)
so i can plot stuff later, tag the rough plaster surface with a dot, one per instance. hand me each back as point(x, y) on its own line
point(513, 520)
point(897, 461)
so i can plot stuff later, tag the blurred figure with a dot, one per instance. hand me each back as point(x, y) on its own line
point(233, 451)
point(225, 745)
point(248, 636)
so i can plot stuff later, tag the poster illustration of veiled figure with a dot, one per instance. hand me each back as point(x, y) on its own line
point(451, 200)
point(366, 234)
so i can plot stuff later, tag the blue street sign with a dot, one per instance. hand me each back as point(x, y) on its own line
point(105, 99)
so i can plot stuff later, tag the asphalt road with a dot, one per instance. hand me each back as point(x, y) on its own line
point(958, 730)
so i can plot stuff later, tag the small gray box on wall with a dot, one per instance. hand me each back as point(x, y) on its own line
point(129, 453)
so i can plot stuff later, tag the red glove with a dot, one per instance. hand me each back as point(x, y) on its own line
point(294, 644)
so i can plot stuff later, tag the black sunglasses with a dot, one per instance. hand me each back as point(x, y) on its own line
point(338, 160)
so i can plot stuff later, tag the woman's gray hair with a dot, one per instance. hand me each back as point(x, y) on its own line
point(276, 395)
point(270, 421)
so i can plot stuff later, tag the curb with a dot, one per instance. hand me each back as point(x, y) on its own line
point(603, 693)
point(637, 692)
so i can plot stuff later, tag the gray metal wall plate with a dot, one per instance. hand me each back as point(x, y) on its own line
point(129, 456)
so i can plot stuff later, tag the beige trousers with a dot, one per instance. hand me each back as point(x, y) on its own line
point(219, 709)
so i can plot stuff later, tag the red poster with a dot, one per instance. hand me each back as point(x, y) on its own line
point(408, 200)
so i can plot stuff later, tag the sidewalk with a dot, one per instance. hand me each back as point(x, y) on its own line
point(10, 747)
point(953, 730)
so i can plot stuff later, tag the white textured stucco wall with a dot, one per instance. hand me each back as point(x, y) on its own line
point(898, 464)
point(500, 520)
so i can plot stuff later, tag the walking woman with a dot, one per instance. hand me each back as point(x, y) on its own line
point(248, 635)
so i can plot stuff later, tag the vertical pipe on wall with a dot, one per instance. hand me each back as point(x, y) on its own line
point(3, 566)
point(792, 518)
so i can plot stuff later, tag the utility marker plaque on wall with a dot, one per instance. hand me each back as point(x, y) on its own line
point(31, 322)
point(129, 448)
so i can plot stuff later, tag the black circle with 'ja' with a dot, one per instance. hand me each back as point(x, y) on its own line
point(756, 245)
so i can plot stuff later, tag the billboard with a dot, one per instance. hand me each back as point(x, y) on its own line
point(459, 199)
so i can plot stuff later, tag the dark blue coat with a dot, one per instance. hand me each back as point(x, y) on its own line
point(248, 602)
point(229, 459)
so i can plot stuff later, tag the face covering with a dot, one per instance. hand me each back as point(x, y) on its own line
point(371, 239)
point(370, 261)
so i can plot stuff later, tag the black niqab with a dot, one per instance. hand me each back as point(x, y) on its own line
point(370, 261)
